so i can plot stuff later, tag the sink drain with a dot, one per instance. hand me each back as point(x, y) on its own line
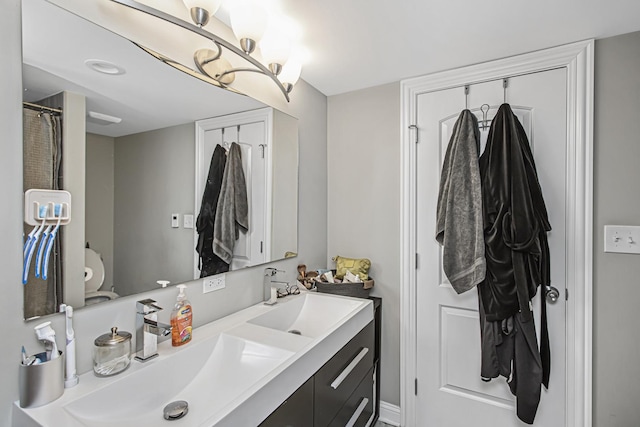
point(295, 332)
point(176, 410)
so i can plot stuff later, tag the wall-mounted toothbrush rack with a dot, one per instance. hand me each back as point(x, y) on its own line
point(48, 205)
point(46, 210)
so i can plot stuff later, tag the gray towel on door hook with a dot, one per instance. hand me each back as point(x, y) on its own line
point(232, 212)
point(459, 223)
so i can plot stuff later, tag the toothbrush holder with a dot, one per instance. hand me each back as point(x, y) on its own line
point(41, 383)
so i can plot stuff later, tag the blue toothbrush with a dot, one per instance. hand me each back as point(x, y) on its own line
point(41, 248)
point(42, 213)
point(57, 211)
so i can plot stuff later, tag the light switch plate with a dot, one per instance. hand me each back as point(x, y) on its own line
point(213, 283)
point(622, 239)
point(187, 221)
point(175, 220)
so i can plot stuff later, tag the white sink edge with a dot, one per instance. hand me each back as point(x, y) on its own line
point(263, 396)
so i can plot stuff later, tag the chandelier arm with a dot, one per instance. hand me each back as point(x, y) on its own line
point(204, 33)
point(209, 60)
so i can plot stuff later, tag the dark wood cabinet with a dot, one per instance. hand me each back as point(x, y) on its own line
point(296, 411)
point(359, 407)
point(336, 381)
point(344, 391)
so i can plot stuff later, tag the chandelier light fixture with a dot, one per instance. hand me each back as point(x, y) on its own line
point(254, 27)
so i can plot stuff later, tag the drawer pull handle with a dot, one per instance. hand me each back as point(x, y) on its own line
point(344, 374)
point(356, 414)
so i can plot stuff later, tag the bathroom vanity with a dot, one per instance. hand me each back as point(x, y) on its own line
point(317, 353)
point(355, 401)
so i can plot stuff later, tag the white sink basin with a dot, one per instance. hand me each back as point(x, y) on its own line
point(309, 315)
point(235, 372)
point(208, 376)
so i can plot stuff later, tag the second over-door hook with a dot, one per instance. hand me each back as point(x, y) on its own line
point(466, 97)
point(485, 109)
point(505, 83)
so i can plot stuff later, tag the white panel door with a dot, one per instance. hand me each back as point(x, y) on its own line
point(450, 391)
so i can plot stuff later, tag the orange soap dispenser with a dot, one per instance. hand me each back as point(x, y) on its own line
point(181, 319)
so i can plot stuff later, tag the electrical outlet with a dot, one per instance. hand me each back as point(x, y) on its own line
point(213, 283)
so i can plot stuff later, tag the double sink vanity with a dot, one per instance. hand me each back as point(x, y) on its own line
point(307, 361)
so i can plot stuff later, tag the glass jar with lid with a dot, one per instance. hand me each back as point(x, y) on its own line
point(111, 353)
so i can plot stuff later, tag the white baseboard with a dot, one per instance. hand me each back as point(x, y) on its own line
point(389, 414)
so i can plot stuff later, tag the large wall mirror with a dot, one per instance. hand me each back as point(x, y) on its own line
point(136, 143)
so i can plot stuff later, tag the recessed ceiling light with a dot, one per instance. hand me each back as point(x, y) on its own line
point(104, 67)
point(103, 119)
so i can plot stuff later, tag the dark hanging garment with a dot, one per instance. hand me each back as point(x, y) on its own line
point(517, 256)
point(209, 262)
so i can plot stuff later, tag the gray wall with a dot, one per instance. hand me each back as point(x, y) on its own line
point(364, 198)
point(99, 201)
point(154, 173)
point(616, 371)
point(243, 288)
point(364, 169)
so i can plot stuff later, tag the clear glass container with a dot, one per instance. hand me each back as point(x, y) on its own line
point(111, 353)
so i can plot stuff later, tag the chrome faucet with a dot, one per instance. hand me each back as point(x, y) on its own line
point(148, 329)
point(268, 283)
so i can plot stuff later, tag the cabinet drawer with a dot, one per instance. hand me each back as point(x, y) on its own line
point(359, 408)
point(297, 410)
point(340, 376)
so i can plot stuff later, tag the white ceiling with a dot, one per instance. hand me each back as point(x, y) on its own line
point(150, 95)
point(362, 43)
point(353, 44)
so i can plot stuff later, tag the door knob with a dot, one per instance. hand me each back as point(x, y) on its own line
point(552, 294)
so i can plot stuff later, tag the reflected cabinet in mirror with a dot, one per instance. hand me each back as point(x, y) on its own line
point(171, 178)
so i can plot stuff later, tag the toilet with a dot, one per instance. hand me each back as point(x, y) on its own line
point(94, 278)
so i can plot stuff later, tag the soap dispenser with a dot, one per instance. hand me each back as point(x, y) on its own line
point(181, 319)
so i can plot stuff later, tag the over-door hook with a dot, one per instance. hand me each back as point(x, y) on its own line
point(485, 109)
point(466, 97)
point(505, 83)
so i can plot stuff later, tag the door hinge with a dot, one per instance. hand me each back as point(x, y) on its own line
point(261, 247)
point(416, 260)
point(566, 294)
point(416, 387)
point(416, 128)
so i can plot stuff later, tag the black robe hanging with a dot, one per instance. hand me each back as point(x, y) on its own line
point(209, 262)
point(517, 256)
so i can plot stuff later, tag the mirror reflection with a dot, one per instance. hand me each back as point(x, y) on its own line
point(142, 146)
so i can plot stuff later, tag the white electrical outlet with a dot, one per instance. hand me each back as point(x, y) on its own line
point(213, 283)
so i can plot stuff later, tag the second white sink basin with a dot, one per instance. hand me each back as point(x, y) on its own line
point(309, 315)
point(237, 370)
point(194, 375)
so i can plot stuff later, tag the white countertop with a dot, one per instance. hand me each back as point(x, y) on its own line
point(240, 397)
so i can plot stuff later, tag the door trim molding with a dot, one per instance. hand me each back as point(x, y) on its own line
point(577, 59)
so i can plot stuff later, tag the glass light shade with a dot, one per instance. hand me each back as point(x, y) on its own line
point(275, 48)
point(248, 19)
point(290, 72)
point(210, 6)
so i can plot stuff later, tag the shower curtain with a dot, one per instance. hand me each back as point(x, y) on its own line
point(42, 156)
